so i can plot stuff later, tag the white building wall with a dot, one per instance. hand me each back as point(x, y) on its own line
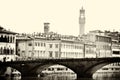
point(53, 49)
point(71, 50)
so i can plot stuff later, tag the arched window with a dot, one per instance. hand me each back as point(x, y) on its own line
point(5, 38)
point(11, 39)
point(1, 50)
point(4, 50)
point(7, 51)
point(12, 51)
point(1, 38)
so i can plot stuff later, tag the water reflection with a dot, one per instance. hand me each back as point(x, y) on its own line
point(56, 78)
point(51, 78)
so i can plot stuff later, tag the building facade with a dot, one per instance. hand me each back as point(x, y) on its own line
point(53, 49)
point(72, 49)
point(102, 42)
point(7, 45)
point(113, 69)
point(89, 50)
point(115, 43)
point(30, 47)
point(49, 47)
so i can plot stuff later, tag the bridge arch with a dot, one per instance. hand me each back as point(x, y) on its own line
point(97, 66)
point(41, 67)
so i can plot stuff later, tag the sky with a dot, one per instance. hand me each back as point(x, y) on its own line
point(28, 16)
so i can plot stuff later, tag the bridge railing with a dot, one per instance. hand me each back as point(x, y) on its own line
point(36, 59)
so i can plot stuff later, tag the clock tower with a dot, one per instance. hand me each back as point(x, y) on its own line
point(82, 22)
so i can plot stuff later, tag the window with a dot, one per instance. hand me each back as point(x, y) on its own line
point(30, 44)
point(50, 53)
point(50, 45)
point(115, 52)
point(44, 45)
point(43, 51)
point(117, 68)
point(56, 54)
point(41, 44)
point(56, 45)
point(112, 68)
point(35, 43)
point(23, 51)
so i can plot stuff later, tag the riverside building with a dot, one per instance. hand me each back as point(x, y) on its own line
point(49, 46)
point(29, 46)
point(113, 69)
point(115, 42)
point(102, 42)
point(7, 45)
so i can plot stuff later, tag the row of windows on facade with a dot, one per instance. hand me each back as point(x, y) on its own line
point(51, 54)
point(43, 45)
point(35, 51)
point(116, 52)
point(56, 52)
point(38, 44)
point(87, 51)
point(66, 46)
point(57, 45)
point(90, 51)
point(115, 47)
point(7, 39)
point(6, 51)
point(38, 51)
point(104, 47)
point(72, 46)
point(107, 47)
point(75, 53)
point(103, 39)
point(51, 45)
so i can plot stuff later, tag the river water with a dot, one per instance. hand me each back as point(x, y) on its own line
point(56, 78)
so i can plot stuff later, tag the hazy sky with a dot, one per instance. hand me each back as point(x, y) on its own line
point(63, 15)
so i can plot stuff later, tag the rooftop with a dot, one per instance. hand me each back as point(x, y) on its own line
point(3, 30)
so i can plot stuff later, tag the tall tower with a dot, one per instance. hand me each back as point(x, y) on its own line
point(46, 27)
point(82, 22)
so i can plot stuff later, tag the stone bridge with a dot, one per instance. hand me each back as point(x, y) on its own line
point(83, 67)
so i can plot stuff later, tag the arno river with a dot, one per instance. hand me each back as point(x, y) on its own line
point(56, 78)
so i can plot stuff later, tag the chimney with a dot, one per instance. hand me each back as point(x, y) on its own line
point(46, 27)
